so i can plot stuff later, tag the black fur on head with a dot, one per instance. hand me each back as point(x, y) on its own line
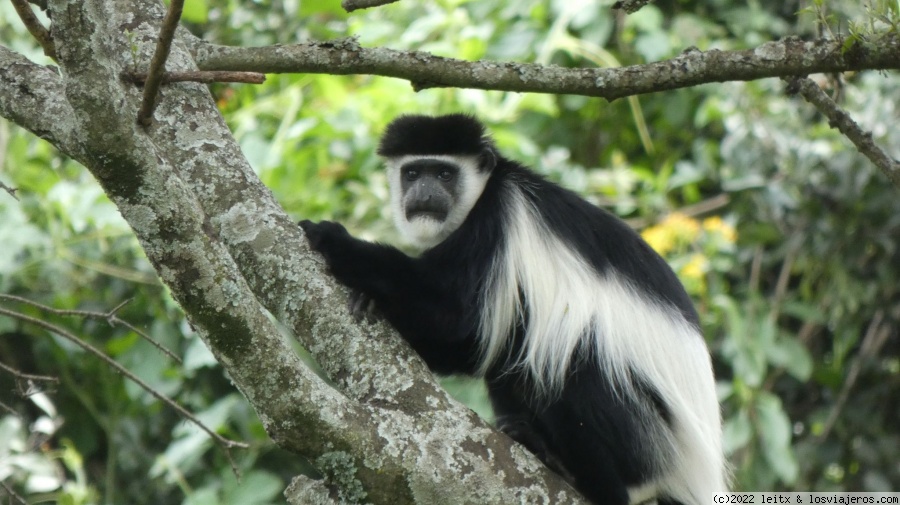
point(459, 134)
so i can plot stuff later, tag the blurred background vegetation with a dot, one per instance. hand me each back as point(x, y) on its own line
point(784, 235)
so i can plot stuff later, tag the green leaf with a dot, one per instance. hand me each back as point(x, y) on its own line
point(203, 496)
point(195, 11)
point(775, 433)
point(789, 353)
point(198, 356)
point(653, 46)
point(737, 432)
point(215, 417)
point(804, 311)
point(122, 343)
point(750, 366)
point(254, 487)
point(182, 454)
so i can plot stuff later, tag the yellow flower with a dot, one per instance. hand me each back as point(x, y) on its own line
point(715, 224)
point(692, 274)
point(696, 267)
point(659, 238)
point(676, 230)
point(685, 228)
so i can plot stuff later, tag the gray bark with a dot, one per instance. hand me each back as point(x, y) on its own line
point(788, 57)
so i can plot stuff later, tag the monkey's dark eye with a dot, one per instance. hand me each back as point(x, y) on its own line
point(411, 174)
point(445, 175)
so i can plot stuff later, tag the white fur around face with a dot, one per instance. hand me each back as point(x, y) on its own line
point(423, 231)
point(570, 304)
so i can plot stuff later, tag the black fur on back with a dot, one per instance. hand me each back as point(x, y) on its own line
point(452, 134)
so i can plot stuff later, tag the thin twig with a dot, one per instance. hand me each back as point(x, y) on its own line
point(27, 376)
point(158, 63)
point(12, 494)
point(876, 336)
point(204, 76)
point(755, 269)
point(838, 118)
point(11, 191)
point(31, 22)
point(352, 5)
point(784, 275)
point(223, 442)
point(110, 318)
point(10, 410)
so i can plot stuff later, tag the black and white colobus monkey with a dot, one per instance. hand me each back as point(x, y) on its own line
point(589, 344)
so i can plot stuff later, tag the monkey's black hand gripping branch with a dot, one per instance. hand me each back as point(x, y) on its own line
point(329, 238)
point(323, 235)
point(424, 308)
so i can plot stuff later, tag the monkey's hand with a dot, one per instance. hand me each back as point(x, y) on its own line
point(322, 237)
point(332, 241)
point(378, 275)
point(345, 259)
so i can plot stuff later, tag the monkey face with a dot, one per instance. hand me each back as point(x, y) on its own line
point(430, 189)
point(432, 194)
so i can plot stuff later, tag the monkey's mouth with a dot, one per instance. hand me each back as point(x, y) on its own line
point(426, 214)
point(428, 209)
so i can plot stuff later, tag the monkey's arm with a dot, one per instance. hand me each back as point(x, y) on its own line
point(417, 302)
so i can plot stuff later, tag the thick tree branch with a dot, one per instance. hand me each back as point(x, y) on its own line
point(840, 119)
point(33, 96)
point(787, 57)
point(207, 77)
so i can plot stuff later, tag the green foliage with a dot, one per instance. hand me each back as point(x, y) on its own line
point(195, 11)
point(783, 234)
point(821, 247)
